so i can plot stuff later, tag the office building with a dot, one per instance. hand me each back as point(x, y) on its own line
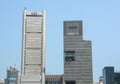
point(54, 79)
point(117, 78)
point(101, 80)
point(108, 75)
point(2, 81)
point(33, 48)
point(77, 55)
point(12, 76)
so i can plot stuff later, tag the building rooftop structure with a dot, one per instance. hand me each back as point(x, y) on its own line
point(12, 75)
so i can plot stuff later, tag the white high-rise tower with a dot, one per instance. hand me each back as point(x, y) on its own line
point(33, 48)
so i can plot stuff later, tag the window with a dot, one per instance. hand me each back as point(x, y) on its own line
point(46, 82)
point(69, 55)
point(72, 30)
point(70, 82)
point(72, 27)
point(59, 82)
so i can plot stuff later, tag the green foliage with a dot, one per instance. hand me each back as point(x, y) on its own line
point(68, 58)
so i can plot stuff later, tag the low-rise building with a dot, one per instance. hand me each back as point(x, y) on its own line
point(54, 79)
point(117, 77)
point(101, 80)
point(12, 76)
point(2, 81)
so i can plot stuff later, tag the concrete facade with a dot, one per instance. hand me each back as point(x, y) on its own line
point(33, 48)
point(77, 55)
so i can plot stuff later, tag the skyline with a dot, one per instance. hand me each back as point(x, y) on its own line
point(100, 25)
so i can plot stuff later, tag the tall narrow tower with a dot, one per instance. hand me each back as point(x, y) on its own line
point(77, 55)
point(33, 48)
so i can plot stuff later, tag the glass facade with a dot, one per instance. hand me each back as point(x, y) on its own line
point(53, 82)
point(12, 76)
point(54, 79)
point(69, 55)
point(108, 75)
point(117, 78)
point(70, 82)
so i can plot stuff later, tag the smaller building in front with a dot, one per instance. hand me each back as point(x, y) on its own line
point(2, 81)
point(117, 77)
point(108, 75)
point(101, 80)
point(54, 79)
point(12, 76)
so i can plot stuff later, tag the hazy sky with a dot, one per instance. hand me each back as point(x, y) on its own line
point(101, 25)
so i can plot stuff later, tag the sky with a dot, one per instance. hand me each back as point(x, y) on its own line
point(101, 25)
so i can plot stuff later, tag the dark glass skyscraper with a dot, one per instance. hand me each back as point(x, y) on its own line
point(108, 75)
